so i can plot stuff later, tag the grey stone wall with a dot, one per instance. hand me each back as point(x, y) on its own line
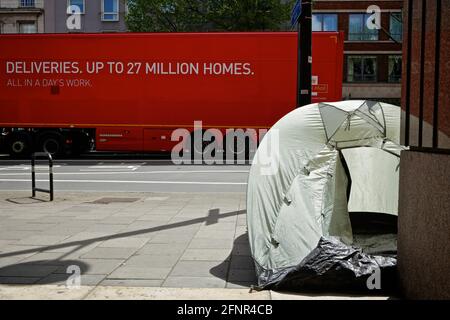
point(424, 225)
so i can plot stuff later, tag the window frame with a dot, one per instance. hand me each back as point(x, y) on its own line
point(364, 31)
point(81, 12)
point(110, 13)
point(27, 22)
point(27, 3)
point(322, 15)
point(391, 19)
point(363, 79)
point(390, 57)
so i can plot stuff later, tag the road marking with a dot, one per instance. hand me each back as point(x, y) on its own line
point(101, 167)
point(128, 181)
point(26, 168)
point(15, 168)
point(130, 172)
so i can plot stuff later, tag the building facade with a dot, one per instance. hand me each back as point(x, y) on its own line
point(21, 16)
point(63, 16)
point(372, 48)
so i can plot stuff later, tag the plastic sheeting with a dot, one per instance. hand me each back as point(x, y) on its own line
point(335, 266)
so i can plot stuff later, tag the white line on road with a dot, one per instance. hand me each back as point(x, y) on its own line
point(129, 172)
point(127, 181)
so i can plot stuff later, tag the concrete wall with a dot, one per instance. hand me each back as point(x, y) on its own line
point(56, 17)
point(424, 225)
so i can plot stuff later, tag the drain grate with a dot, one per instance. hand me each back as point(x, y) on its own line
point(115, 200)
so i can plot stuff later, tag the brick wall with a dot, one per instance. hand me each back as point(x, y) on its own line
point(423, 62)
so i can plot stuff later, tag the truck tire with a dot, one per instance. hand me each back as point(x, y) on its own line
point(51, 143)
point(19, 145)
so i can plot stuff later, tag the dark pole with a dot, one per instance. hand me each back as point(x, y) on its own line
point(33, 176)
point(304, 55)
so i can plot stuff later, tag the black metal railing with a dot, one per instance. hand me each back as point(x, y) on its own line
point(33, 174)
point(417, 81)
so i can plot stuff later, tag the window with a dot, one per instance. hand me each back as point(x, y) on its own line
point(361, 68)
point(358, 30)
point(27, 3)
point(395, 68)
point(78, 3)
point(27, 27)
point(110, 10)
point(324, 22)
point(396, 26)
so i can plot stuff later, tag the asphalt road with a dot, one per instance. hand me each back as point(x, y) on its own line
point(103, 175)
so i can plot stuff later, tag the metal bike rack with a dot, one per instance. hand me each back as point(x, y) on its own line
point(50, 171)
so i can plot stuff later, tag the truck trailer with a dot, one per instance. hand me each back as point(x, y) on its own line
point(128, 92)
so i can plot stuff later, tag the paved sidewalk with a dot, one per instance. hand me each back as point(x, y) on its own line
point(129, 246)
point(52, 292)
point(175, 240)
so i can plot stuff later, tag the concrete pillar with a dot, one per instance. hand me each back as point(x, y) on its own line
point(424, 225)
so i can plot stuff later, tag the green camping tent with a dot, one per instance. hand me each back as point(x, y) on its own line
point(298, 188)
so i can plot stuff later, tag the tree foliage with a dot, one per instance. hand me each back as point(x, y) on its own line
point(207, 15)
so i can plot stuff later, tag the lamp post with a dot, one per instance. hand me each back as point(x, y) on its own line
point(304, 72)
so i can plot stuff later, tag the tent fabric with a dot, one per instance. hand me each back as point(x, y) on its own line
point(297, 188)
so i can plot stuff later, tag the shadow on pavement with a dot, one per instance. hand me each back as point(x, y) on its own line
point(25, 200)
point(212, 218)
point(239, 265)
point(43, 272)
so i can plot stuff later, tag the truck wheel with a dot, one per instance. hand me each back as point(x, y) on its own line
point(51, 143)
point(19, 145)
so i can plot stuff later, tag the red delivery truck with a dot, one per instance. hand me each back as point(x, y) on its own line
point(130, 91)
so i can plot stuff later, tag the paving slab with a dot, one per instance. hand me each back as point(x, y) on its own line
point(194, 282)
point(42, 240)
point(61, 279)
point(132, 282)
point(200, 269)
point(42, 292)
point(27, 270)
point(163, 249)
point(242, 262)
point(153, 261)
point(242, 275)
point(134, 272)
point(206, 254)
point(121, 293)
point(18, 280)
point(95, 266)
point(109, 253)
point(126, 242)
point(207, 243)
point(239, 285)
